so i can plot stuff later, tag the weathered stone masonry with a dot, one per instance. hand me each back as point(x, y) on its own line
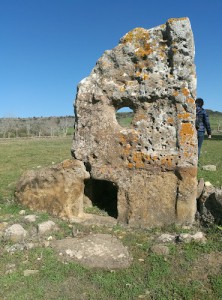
point(153, 165)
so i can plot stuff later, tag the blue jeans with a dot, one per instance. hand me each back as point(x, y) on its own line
point(200, 138)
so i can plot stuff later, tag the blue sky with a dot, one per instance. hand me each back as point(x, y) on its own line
point(48, 46)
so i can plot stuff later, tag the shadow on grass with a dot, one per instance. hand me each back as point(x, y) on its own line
point(217, 137)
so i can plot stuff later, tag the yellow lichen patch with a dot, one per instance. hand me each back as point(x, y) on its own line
point(186, 132)
point(138, 159)
point(66, 164)
point(144, 50)
point(130, 82)
point(145, 76)
point(190, 100)
point(138, 73)
point(176, 19)
point(139, 117)
point(185, 92)
point(154, 158)
point(175, 93)
point(170, 120)
point(183, 116)
point(187, 154)
point(136, 35)
point(167, 161)
point(126, 150)
point(122, 89)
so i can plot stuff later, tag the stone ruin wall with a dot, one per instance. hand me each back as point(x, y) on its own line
point(153, 165)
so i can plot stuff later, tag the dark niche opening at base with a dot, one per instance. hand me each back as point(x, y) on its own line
point(103, 194)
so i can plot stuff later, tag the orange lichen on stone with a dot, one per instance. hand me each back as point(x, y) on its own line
point(176, 19)
point(144, 50)
point(139, 117)
point(145, 76)
point(175, 93)
point(167, 161)
point(66, 164)
point(170, 120)
point(190, 100)
point(185, 92)
point(138, 159)
point(187, 154)
point(186, 132)
point(184, 116)
point(136, 35)
point(130, 165)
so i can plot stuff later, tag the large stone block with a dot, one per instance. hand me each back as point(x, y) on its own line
point(153, 165)
point(58, 190)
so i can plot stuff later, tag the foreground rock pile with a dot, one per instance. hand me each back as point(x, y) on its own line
point(100, 250)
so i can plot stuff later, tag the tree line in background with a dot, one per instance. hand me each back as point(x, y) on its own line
point(62, 126)
point(36, 127)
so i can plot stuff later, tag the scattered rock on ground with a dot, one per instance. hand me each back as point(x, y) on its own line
point(209, 206)
point(160, 249)
point(209, 168)
point(96, 250)
point(183, 237)
point(164, 238)
point(15, 233)
point(30, 272)
point(30, 218)
point(46, 227)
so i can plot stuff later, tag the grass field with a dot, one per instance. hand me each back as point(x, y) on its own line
point(186, 273)
point(19, 155)
point(211, 154)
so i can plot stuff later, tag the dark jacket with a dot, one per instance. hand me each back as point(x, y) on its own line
point(202, 120)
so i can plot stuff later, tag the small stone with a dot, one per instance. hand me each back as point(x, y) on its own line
point(185, 237)
point(10, 268)
point(160, 249)
point(211, 168)
point(141, 259)
point(46, 227)
point(30, 245)
point(30, 218)
point(30, 272)
point(22, 212)
point(15, 247)
point(207, 183)
point(199, 237)
point(15, 233)
point(164, 238)
point(3, 225)
point(46, 244)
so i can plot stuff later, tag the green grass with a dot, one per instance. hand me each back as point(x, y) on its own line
point(19, 155)
point(149, 277)
point(211, 154)
point(215, 120)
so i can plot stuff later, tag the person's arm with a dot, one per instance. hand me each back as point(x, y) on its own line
point(206, 122)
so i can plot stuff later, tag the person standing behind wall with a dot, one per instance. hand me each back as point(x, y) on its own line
point(202, 123)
